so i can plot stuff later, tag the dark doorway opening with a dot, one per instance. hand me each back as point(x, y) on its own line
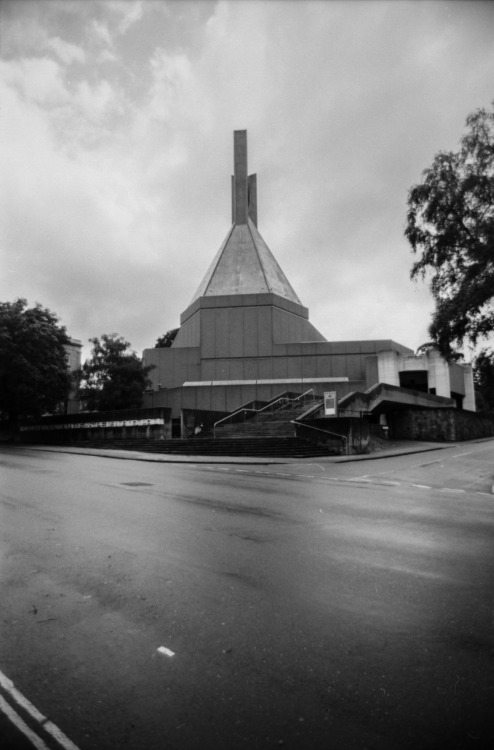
point(416, 380)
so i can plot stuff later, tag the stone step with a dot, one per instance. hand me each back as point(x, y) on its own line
point(266, 424)
point(265, 447)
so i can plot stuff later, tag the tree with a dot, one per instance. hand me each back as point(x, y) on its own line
point(34, 376)
point(113, 377)
point(483, 376)
point(166, 339)
point(450, 223)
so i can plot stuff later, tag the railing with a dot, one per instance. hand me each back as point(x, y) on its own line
point(319, 429)
point(302, 395)
point(256, 412)
point(286, 400)
point(230, 416)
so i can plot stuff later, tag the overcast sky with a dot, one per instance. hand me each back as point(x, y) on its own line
point(117, 124)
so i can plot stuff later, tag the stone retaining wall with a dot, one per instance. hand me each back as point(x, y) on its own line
point(443, 425)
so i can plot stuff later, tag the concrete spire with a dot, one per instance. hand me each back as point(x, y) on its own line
point(244, 264)
point(244, 188)
point(241, 191)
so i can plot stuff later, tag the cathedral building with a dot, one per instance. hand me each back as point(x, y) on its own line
point(246, 337)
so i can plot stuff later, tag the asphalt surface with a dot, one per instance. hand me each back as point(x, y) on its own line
point(306, 604)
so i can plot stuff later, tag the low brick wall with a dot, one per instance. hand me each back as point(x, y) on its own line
point(442, 425)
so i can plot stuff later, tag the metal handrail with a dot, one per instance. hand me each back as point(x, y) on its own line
point(258, 411)
point(319, 429)
point(229, 416)
point(272, 403)
point(309, 390)
point(274, 400)
point(287, 399)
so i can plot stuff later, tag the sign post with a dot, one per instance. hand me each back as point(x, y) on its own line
point(330, 404)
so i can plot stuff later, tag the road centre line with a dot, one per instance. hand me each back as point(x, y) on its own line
point(21, 725)
point(9, 687)
point(365, 479)
point(391, 471)
point(261, 473)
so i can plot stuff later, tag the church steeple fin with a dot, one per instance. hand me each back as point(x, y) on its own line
point(240, 178)
point(244, 188)
point(244, 264)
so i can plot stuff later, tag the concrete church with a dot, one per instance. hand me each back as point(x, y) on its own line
point(246, 337)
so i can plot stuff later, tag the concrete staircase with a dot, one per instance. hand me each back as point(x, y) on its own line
point(267, 424)
point(266, 447)
point(268, 434)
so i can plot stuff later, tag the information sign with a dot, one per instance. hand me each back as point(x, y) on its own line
point(330, 404)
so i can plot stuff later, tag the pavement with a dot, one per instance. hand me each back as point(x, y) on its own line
point(402, 448)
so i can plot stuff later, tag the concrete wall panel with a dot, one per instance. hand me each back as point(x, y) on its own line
point(457, 378)
point(294, 350)
point(295, 367)
point(312, 334)
point(371, 371)
point(221, 333)
point(233, 398)
point(265, 368)
point(250, 369)
point(218, 399)
point(264, 335)
point(236, 369)
point(250, 332)
point(208, 369)
point(388, 368)
point(324, 367)
point(207, 333)
point(236, 332)
point(221, 370)
point(355, 367)
point(189, 333)
point(469, 400)
point(339, 365)
point(280, 367)
point(190, 398)
point(309, 367)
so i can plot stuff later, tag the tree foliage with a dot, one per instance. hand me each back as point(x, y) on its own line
point(113, 377)
point(166, 339)
point(450, 225)
point(483, 376)
point(34, 376)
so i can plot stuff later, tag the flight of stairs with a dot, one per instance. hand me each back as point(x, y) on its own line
point(269, 434)
point(266, 447)
point(276, 423)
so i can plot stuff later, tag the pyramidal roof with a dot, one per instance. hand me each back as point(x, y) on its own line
point(244, 264)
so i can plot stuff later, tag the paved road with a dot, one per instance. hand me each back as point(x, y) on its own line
point(310, 605)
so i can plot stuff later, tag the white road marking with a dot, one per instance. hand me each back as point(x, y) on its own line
point(21, 725)
point(450, 489)
point(462, 454)
point(48, 726)
point(422, 486)
point(166, 651)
